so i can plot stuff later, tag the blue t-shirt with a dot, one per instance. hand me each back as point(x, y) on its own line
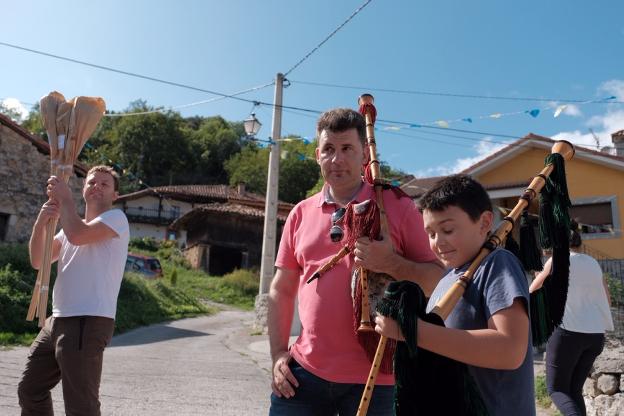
point(497, 282)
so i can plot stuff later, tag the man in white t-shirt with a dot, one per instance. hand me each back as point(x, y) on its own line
point(91, 254)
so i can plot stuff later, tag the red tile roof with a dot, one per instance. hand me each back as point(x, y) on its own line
point(205, 194)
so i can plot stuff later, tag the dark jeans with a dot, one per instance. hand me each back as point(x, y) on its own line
point(318, 397)
point(569, 357)
point(69, 350)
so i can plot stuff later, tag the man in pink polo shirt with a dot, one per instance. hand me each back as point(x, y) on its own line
point(325, 370)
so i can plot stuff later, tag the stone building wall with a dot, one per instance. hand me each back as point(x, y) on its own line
point(24, 170)
point(604, 389)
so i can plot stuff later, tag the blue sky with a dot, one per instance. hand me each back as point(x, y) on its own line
point(549, 50)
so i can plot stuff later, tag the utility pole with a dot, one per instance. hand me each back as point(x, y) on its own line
point(269, 236)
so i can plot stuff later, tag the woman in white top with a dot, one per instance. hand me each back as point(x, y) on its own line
point(575, 344)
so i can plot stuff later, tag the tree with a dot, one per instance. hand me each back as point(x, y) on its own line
point(153, 147)
point(249, 167)
point(213, 143)
point(298, 169)
point(10, 112)
point(33, 122)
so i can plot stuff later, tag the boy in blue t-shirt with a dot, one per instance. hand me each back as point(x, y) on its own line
point(489, 327)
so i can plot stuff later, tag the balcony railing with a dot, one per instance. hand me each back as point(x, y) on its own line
point(151, 215)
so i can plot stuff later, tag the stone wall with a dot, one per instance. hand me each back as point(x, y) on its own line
point(604, 389)
point(23, 174)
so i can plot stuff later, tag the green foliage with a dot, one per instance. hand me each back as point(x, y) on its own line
point(298, 169)
point(214, 142)
point(174, 277)
point(316, 188)
point(17, 256)
point(33, 122)
point(144, 243)
point(249, 167)
point(10, 112)
point(616, 289)
point(541, 392)
point(15, 294)
point(244, 281)
point(144, 302)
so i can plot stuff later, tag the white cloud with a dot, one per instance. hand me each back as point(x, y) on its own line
point(613, 87)
point(484, 148)
point(603, 125)
point(16, 105)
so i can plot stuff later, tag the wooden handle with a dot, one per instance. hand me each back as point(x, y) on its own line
point(365, 323)
point(447, 302)
point(372, 376)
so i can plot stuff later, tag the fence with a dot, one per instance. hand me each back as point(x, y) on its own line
point(614, 273)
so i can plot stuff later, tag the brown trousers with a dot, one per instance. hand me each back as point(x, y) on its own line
point(69, 350)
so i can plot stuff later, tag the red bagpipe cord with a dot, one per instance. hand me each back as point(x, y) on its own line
point(364, 221)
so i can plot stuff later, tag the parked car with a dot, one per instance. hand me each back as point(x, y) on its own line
point(148, 266)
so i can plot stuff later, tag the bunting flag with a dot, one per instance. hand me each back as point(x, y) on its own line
point(533, 112)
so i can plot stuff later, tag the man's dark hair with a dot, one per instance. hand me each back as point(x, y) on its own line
point(342, 119)
point(459, 190)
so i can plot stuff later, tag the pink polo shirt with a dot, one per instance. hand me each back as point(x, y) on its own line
point(328, 346)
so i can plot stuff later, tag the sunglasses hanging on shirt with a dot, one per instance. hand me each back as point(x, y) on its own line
point(336, 232)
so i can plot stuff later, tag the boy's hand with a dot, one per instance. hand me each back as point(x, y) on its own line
point(58, 189)
point(388, 327)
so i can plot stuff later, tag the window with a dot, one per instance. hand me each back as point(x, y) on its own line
point(4, 225)
point(598, 217)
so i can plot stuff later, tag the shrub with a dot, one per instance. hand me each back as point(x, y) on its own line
point(15, 294)
point(144, 243)
point(242, 280)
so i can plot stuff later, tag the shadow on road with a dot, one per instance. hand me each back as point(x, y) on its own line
point(152, 334)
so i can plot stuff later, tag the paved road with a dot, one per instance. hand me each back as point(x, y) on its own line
point(200, 366)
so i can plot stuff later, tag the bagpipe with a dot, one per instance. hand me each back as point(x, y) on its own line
point(366, 219)
point(427, 383)
point(68, 125)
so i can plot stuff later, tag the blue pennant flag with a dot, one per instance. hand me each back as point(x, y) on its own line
point(395, 183)
point(415, 125)
point(301, 156)
point(533, 113)
point(467, 120)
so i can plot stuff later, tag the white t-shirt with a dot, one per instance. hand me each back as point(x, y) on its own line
point(587, 309)
point(89, 276)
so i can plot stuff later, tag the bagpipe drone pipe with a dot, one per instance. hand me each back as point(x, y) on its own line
point(427, 383)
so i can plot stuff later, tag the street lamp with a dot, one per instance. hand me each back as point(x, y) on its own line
point(252, 125)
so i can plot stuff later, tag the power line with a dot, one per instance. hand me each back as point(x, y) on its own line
point(359, 9)
point(131, 74)
point(160, 110)
point(457, 95)
point(149, 78)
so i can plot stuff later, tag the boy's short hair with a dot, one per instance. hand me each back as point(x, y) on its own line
point(459, 190)
point(106, 169)
point(342, 119)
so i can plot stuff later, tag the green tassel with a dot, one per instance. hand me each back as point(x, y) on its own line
point(425, 383)
point(512, 246)
point(548, 304)
point(530, 255)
